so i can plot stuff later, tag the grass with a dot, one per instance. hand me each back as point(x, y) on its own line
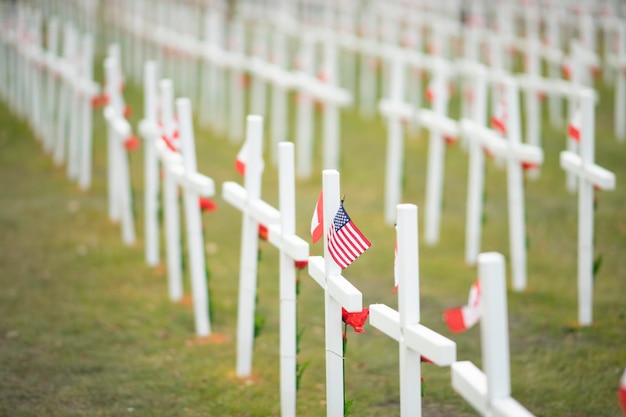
point(86, 328)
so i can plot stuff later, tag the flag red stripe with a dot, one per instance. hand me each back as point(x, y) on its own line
point(573, 132)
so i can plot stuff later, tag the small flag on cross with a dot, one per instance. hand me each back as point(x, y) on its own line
point(345, 240)
point(317, 222)
point(242, 158)
point(462, 318)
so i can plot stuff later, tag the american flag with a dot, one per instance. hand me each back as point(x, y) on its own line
point(345, 240)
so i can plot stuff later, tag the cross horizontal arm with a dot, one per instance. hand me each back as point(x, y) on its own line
point(321, 90)
point(509, 407)
point(562, 88)
point(345, 293)
point(167, 156)
point(337, 286)
point(499, 146)
point(194, 181)
point(317, 270)
point(120, 126)
point(393, 108)
point(593, 173)
point(293, 245)
point(471, 383)
point(435, 121)
point(385, 319)
point(437, 348)
point(149, 130)
point(237, 196)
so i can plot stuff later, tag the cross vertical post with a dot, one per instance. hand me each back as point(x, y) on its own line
point(436, 159)
point(338, 293)
point(489, 390)
point(476, 175)
point(415, 340)
point(151, 167)
point(197, 262)
point(589, 175)
point(171, 206)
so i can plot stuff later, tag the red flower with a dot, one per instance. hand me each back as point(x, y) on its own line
point(244, 81)
point(127, 111)
point(450, 140)
point(356, 320)
point(206, 204)
point(263, 231)
point(132, 143)
point(301, 264)
point(529, 165)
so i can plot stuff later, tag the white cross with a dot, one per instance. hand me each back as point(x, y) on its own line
point(338, 293)
point(248, 200)
point(618, 60)
point(258, 90)
point(489, 391)
point(292, 248)
point(310, 87)
point(151, 163)
point(404, 325)
point(50, 104)
point(476, 167)
point(589, 175)
point(213, 94)
point(515, 153)
point(120, 197)
point(171, 207)
point(396, 111)
point(278, 114)
point(236, 96)
point(436, 155)
point(194, 185)
point(64, 115)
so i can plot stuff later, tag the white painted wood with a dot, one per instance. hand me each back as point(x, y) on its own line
point(120, 195)
point(195, 241)
point(476, 175)
point(489, 390)
point(151, 166)
point(415, 340)
point(514, 153)
point(589, 175)
point(338, 292)
point(254, 211)
point(436, 159)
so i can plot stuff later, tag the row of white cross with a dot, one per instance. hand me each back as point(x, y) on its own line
point(229, 106)
point(504, 145)
point(415, 339)
point(54, 92)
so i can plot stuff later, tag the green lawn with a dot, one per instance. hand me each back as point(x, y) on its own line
point(86, 328)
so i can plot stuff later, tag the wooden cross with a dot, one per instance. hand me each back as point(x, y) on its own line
point(338, 293)
point(194, 185)
point(50, 100)
point(151, 163)
point(254, 210)
point(489, 391)
point(476, 167)
point(119, 187)
point(589, 176)
point(236, 96)
point(64, 115)
point(292, 249)
point(171, 207)
point(515, 153)
point(415, 339)
point(436, 156)
point(396, 112)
